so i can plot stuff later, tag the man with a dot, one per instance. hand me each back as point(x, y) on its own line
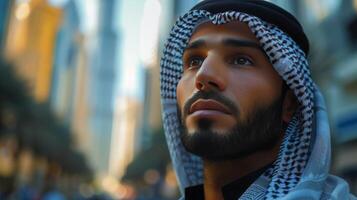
point(243, 118)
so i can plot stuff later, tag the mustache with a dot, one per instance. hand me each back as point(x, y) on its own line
point(214, 95)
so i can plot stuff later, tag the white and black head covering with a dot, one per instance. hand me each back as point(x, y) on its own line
point(285, 43)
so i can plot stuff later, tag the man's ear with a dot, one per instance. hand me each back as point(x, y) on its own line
point(290, 104)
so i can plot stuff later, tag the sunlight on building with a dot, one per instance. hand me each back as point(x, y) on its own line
point(124, 134)
point(30, 42)
point(22, 11)
point(355, 5)
point(90, 15)
point(149, 32)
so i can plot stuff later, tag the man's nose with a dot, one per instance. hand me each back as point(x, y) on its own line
point(211, 75)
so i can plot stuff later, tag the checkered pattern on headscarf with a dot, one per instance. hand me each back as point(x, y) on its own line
point(290, 63)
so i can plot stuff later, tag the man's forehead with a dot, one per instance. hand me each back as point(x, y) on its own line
point(234, 34)
point(264, 10)
point(234, 29)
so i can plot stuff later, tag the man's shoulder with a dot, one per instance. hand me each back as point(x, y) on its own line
point(336, 188)
point(321, 188)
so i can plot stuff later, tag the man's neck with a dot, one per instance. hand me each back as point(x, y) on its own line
point(220, 173)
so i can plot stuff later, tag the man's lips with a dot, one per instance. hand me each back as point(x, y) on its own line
point(208, 104)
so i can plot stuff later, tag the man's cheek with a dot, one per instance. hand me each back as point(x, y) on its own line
point(180, 95)
point(179, 104)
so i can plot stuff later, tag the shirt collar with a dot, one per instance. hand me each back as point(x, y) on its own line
point(231, 191)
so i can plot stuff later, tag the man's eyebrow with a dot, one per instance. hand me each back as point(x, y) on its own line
point(241, 43)
point(228, 42)
point(196, 44)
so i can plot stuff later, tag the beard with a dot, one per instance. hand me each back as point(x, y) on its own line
point(260, 131)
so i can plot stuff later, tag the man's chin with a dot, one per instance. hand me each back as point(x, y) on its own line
point(211, 140)
point(217, 144)
point(220, 146)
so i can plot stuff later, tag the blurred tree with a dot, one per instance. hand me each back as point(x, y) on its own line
point(35, 125)
point(14, 99)
point(352, 30)
point(155, 157)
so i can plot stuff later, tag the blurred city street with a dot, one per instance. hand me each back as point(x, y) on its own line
point(80, 112)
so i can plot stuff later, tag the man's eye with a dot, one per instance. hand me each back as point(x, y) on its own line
point(195, 62)
point(240, 60)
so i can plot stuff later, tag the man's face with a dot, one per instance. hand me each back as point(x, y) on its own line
point(229, 97)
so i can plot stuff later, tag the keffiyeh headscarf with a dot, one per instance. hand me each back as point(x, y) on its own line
point(304, 157)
